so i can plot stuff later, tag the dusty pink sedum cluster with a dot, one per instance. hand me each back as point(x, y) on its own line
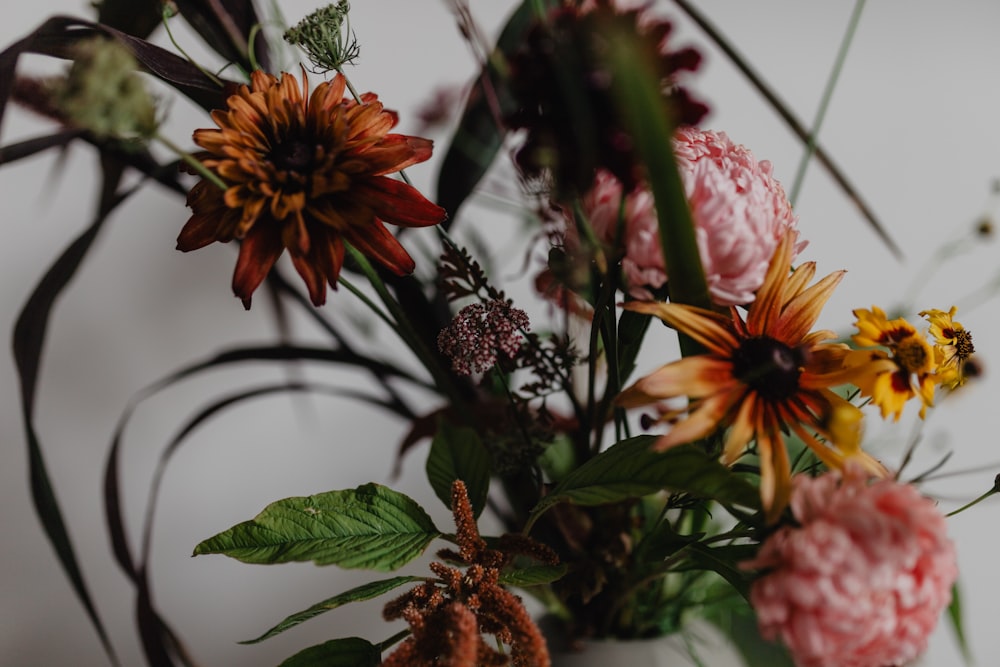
point(480, 333)
point(740, 212)
point(864, 578)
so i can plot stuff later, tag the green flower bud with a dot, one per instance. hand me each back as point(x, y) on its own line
point(326, 37)
point(103, 93)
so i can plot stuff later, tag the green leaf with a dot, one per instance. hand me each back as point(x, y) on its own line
point(348, 652)
point(632, 329)
point(630, 469)
point(955, 616)
point(371, 527)
point(458, 453)
point(534, 575)
point(737, 621)
point(645, 113)
point(663, 541)
point(365, 592)
point(723, 561)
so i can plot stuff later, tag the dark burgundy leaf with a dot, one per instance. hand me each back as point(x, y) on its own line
point(135, 17)
point(225, 25)
point(29, 336)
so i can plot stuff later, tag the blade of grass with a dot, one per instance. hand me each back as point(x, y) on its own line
point(824, 104)
point(797, 127)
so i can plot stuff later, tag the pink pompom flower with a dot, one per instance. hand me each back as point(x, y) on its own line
point(861, 580)
point(740, 214)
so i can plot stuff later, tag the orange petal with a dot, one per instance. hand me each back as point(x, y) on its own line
point(258, 253)
point(375, 242)
point(710, 329)
point(696, 376)
point(741, 431)
point(396, 202)
point(801, 312)
point(708, 416)
point(766, 308)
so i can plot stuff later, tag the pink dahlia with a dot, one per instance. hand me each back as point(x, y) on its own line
point(863, 578)
point(740, 214)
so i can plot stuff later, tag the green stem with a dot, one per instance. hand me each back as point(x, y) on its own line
point(405, 329)
point(831, 84)
point(166, 16)
point(645, 114)
point(350, 86)
point(399, 636)
point(353, 289)
point(995, 489)
point(202, 170)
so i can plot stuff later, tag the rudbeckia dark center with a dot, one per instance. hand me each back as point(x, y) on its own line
point(963, 344)
point(913, 355)
point(293, 155)
point(770, 367)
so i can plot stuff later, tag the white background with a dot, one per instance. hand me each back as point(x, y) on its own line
point(915, 123)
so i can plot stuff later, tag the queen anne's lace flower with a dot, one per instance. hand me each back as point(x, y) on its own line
point(863, 578)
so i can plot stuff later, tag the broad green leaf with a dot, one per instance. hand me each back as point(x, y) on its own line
point(458, 453)
point(348, 652)
point(371, 527)
point(534, 575)
point(365, 592)
point(630, 469)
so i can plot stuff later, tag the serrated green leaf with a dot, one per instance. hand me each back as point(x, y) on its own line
point(630, 469)
point(347, 652)
point(458, 453)
point(533, 576)
point(371, 527)
point(365, 592)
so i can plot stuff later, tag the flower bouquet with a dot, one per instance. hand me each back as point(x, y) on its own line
point(656, 430)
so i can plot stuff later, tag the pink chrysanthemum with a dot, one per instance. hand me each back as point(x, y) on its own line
point(863, 579)
point(740, 214)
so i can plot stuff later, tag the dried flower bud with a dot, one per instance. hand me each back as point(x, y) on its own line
point(326, 36)
point(984, 227)
point(103, 94)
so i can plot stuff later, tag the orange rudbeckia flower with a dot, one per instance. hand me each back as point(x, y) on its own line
point(307, 173)
point(761, 376)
